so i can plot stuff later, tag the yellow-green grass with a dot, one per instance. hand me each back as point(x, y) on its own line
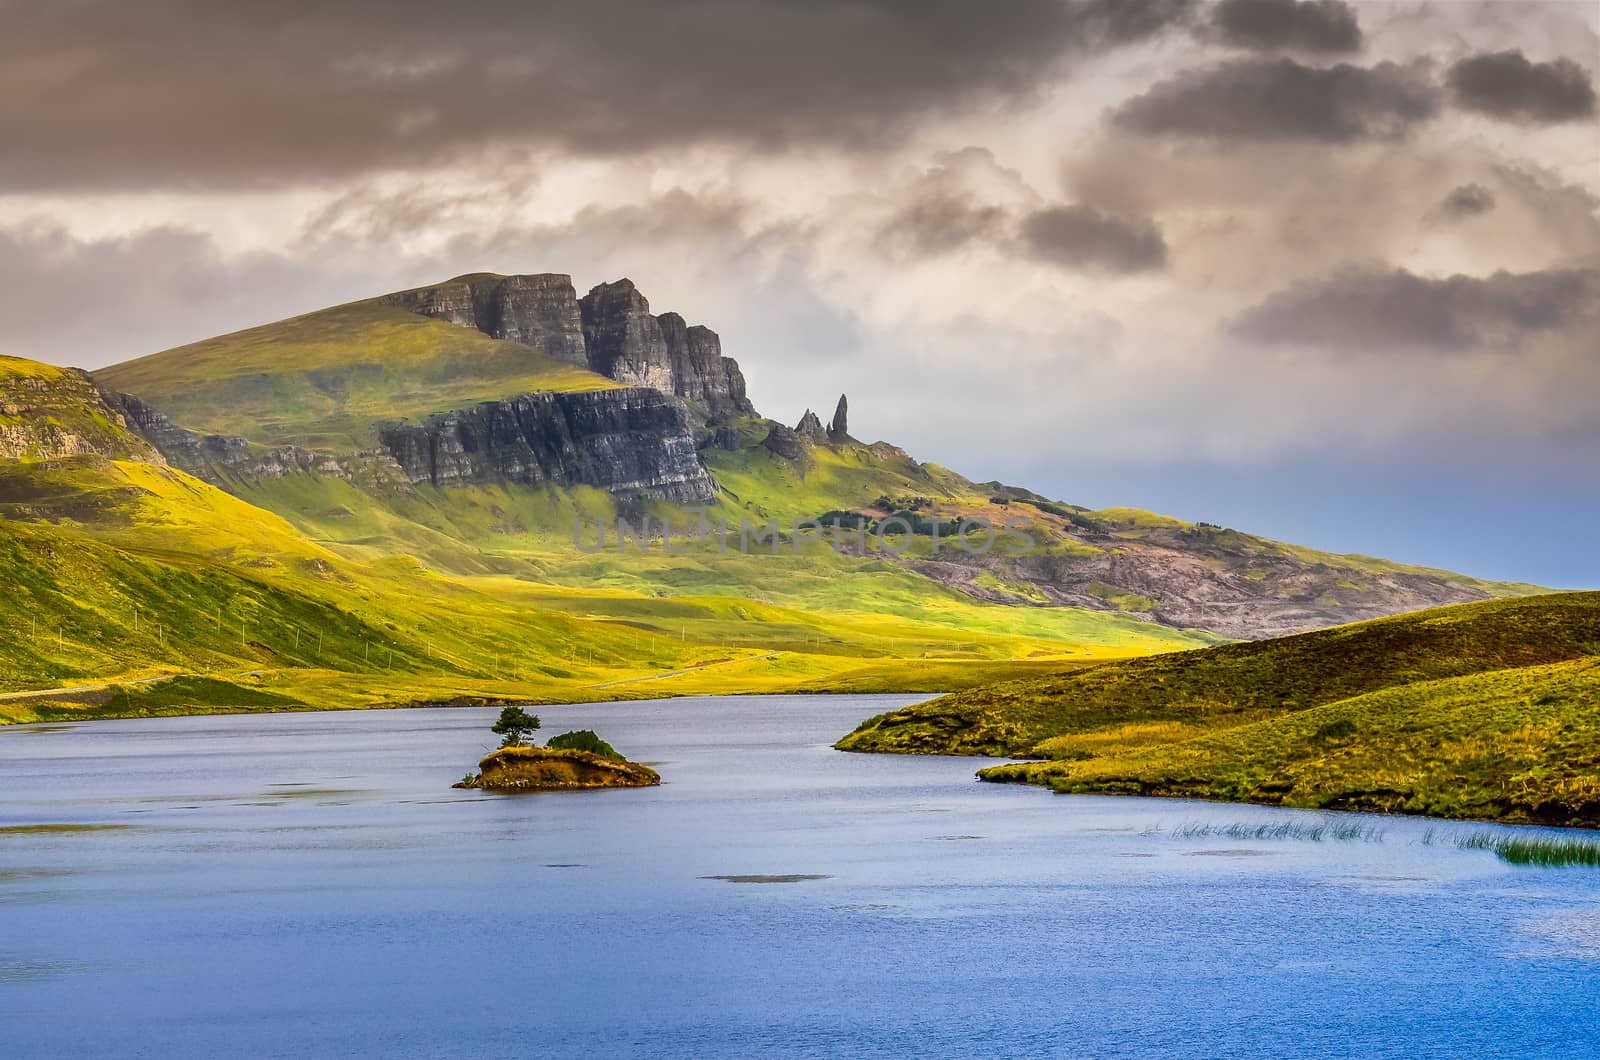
point(1227, 684)
point(1519, 745)
point(131, 571)
point(324, 380)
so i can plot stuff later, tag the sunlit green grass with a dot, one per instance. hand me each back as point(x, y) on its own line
point(324, 380)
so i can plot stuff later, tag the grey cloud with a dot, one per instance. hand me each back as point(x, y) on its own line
point(92, 302)
point(1280, 99)
point(1381, 312)
point(1467, 200)
point(1508, 86)
point(1304, 25)
point(1081, 237)
point(189, 93)
point(954, 203)
point(941, 222)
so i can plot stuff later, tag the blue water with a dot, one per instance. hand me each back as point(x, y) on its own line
point(308, 885)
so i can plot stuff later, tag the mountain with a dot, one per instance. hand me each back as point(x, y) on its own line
point(1487, 710)
point(424, 468)
point(136, 587)
point(488, 382)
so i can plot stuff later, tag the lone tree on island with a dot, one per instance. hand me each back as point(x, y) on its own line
point(515, 726)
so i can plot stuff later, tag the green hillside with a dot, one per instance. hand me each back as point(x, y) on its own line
point(1514, 745)
point(1478, 710)
point(135, 588)
point(324, 380)
point(475, 587)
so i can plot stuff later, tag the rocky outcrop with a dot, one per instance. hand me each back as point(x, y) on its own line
point(839, 426)
point(47, 413)
point(699, 371)
point(789, 444)
point(610, 331)
point(519, 769)
point(539, 310)
point(810, 428)
point(635, 443)
point(623, 339)
point(216, 458)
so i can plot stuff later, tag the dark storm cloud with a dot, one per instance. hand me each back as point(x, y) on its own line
point(1468, 200)
point(1380, 312)
point(1280, 99)
point(1302, 25)
point(1081, 237)
point(191, 93)
point(1508, 86)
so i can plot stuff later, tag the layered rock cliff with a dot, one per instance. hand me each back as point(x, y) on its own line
point(634, 443)
point(610, 331)
point(48, 413)
point(699, 371)
point(539, 310)
point(624, 340)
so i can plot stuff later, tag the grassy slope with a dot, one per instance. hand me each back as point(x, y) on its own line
point(1482, 710)
point(121, 571)
point(324, 379)
point(1223, 684)
point(1516, 745)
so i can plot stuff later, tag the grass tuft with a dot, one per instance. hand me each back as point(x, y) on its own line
point(1542, 851)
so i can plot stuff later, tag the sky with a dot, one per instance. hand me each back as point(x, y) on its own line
point(1323, 271)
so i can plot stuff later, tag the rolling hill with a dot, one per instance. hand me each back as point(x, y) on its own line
point(1487, 710)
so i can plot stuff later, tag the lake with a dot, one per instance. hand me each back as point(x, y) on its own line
point(308, 885)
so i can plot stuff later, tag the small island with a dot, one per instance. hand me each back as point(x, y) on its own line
point(573, 761)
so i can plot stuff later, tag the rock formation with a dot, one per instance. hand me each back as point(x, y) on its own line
point(699, 371)
point(810, 428)
point(539, 310)
point(635, 443)
point(839, 426)
point(47, 413)
point(610, 331)
point(216, 458)
point(789, 444)
point(623, 339)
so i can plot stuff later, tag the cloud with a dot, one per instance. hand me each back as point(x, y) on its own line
point(189, 94)
point(1381, 312)
point(92, 302)
point(940, 222)
point(1507, 86)
point(1324, 26)
point(1081, 237)
point(1467, 200)
point(1280, 99)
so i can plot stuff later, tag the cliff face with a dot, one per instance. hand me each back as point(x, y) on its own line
point(634, 443)
point(47, 413)
point(624, 340)
point(610, 331)
point(539, 310)
point(700, 372)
